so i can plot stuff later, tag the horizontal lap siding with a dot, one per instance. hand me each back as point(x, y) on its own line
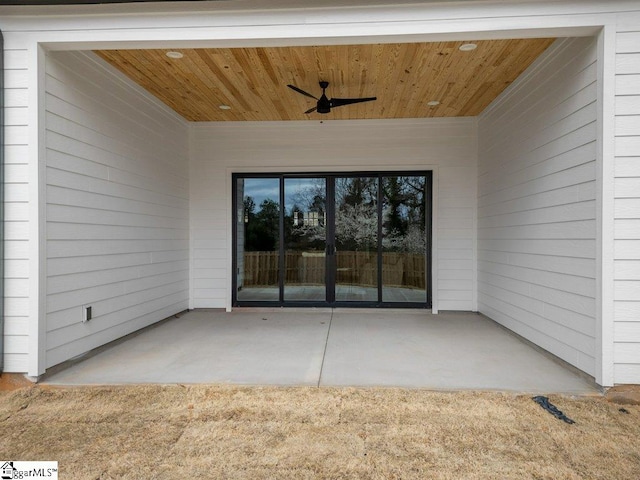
point(537, 204)
point(117, 208)
point(336, 145)
point(16, 208)
point(627, 202)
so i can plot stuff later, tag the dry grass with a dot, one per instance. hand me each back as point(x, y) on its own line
point(247, 432)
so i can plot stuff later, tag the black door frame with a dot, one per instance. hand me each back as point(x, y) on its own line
point(330, 258)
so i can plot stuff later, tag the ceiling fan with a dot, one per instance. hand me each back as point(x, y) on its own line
point(324, 104)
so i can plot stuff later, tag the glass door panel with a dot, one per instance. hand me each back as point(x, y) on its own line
point(356, 239)
point(305, 239)
point(257, 239)
point(404, 239)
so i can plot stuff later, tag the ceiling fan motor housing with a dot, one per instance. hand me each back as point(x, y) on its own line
point(324, 105)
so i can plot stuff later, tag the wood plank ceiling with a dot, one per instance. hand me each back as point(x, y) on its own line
point(404, 77)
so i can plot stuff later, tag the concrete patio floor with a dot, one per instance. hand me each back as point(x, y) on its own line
point(339, 347)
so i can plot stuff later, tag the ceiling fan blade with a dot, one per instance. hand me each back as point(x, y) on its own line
point(311, 110)
point(293, 87)
point(338, 102)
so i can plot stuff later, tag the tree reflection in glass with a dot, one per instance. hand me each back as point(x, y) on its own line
point(305, 234)
point(404, 240)
point(356, 236)
point(258, 239)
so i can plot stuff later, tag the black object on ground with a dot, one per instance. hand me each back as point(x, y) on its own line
point(551, 408)
point(623, 410)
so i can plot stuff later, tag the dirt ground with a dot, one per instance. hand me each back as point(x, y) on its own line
point(218, 432)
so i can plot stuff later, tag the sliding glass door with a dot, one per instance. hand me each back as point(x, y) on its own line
point(257, 239)
point(305, 239)
point(404, 238)
point(320, 240)
point(356, 239)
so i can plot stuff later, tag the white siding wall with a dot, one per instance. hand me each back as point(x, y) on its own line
point(16, 261)
point(536, 204)
point(117, 207)
point(627, 202)
point(449, 145)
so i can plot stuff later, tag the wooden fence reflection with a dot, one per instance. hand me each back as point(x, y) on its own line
point(352, 268)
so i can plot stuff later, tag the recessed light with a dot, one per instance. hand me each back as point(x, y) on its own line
point(174, 55)
point(224, 107)
point(467, 47)
point(433, 103)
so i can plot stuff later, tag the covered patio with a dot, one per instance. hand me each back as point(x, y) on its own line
point(328, 347)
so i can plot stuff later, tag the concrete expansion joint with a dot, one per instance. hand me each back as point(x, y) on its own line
point(326, 344)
